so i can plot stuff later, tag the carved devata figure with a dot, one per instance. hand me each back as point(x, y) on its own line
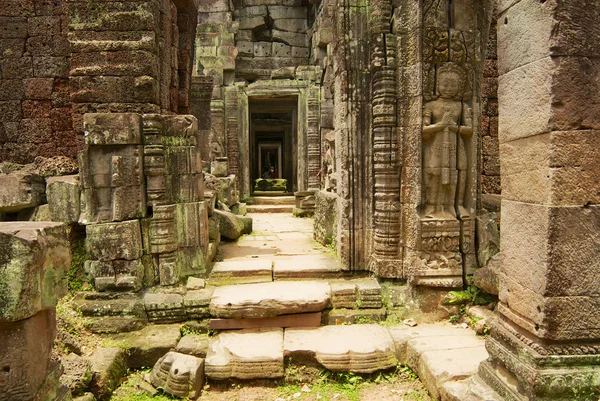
point(447, 128)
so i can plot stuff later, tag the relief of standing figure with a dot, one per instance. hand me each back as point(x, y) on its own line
point(447, 126)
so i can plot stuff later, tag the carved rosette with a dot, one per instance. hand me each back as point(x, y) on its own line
point(386, 259)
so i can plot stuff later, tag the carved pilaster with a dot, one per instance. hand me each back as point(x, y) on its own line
point(313, 136)
point(386, 258)
point(232, 129)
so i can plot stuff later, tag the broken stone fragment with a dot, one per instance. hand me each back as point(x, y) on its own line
point(109, 366)
point(77, 373)
point(34, 261)
point(112, 128)
point(112, 241)
point(145, 347)
point(21, 189)
point(179, 375)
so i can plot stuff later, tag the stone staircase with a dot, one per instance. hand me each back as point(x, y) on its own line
point(271, 204)
point(277, 294)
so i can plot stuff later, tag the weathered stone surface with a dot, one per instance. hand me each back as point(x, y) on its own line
point(63, 194)
point(325, 218)
point(112, 241)
point(302, 267)
point(34, 261)
point(112, 128)
point(193, 344)
point(295, 320)
point(361, 348)
point(231, 226)
point(195, 283)
point(109, 366)
point(471, 389)
point(148, 345)
point(355, 316)
point(241, 271)
point(179, 374)
point(246, 354)
point(220, 167)
point(25, 356)
point(85, 397)
point(20, 190)
point(164, 307)
point(488, 237)
point(269, 299)
point(240, 209)
point(112, 312)
point(77, 373)
point(196, 303)
point(486, 278)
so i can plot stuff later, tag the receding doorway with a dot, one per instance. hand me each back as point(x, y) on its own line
point(273, 142)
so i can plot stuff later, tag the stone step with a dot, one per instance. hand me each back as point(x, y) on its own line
point(245, 271)
point(269, 299)
point(302, 267)
point(295, 320)
point(259, 353)
point(272, 200)
point(471, 389)
point(270, 208)
point(439, 353)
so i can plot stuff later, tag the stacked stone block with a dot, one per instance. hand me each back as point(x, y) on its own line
point(35, 114)
point(143, 188)
point(34, 261)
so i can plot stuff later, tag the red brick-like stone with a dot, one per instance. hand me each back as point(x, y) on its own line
point(49, 66)
point(36, 108)
point(35, 130)
point(45, 25)
point(13, 27)
point(48, 45)
point(61, 96)
point(18, 68)
point(50, 7)
point(62, 119)
point(11, 89)
point(12, 47)
point(38, 88)
point(16, 8)
point(10, 110)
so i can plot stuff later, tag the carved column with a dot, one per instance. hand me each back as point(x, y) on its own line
point(440, 123)
point(313, 95)
point(546, 342)
point(386, 259)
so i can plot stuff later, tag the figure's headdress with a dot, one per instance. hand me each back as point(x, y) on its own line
point(455, 69)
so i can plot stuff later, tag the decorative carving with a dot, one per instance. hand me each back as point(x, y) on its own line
point(447, 125)
point(312, 136)
point(179, 374)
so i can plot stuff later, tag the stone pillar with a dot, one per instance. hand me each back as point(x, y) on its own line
point(34, 261)
point(440, 69)
point(546, 342)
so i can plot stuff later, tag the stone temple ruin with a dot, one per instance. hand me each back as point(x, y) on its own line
point(437, 143)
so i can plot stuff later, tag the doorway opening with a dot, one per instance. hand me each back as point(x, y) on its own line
point(273, 146)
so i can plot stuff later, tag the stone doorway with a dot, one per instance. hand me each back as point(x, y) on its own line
point(273, 146)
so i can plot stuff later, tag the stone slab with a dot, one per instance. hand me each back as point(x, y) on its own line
point(296, 320)
point(362, 348)
point(269, 299)
point(305, 266)
point(352, 316)
point(246, 354)
point(269, 209)
point(108, 367)
point(146, 346)
point(241, 271)
point(20, 190)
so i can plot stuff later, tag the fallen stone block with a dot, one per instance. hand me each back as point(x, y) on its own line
point(112, 241)
point(179, 375)
point(63, 194)
point(231, 226)
point(363, 348)
point(471, 389)
point(246, 354)
point(269, 299)
point(196, 303)
point(109, 366)
point(21, 189)
point(77, 373)
point(148, 345)
point(34, 261)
